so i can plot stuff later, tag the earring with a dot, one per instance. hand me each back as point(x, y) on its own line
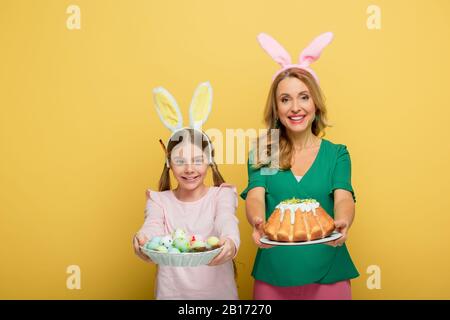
point(277, 123)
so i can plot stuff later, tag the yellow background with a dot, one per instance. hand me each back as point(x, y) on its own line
point(79, 132)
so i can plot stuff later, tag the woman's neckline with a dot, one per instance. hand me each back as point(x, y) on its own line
point(322, 141)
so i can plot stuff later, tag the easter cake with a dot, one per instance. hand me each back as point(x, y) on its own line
point(297, 220)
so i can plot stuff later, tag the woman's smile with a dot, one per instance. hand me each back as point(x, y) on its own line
point(296, 119)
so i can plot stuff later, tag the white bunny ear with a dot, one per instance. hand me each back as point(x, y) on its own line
point(312, 52)
point(274, 49)
point(201, 105)
point(167, 109)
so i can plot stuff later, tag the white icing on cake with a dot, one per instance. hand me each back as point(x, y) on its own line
point(305, 205)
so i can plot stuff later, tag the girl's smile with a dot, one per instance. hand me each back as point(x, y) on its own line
point(190, 179)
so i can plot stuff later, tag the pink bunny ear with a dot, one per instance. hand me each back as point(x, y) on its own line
point(312, 52)
point(274, 49)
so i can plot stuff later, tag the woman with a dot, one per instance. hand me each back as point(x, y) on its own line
point(308, 167)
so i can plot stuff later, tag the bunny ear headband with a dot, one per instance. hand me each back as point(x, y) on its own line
point(170, 115)
point(310, 54)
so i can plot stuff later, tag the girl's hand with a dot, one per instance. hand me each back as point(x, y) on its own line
point(227, 253)
point(258, 233)
point(138, 241)
point(341, 227)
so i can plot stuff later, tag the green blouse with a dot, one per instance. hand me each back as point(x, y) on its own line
point(318, 263)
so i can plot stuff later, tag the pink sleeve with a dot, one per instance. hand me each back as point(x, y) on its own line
point(154, 217)
point(226, 222)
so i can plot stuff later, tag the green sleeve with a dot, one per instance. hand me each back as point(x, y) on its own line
point(342, 173)
point(255, 179)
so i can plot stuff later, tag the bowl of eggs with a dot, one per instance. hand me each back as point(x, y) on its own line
point(180, 250)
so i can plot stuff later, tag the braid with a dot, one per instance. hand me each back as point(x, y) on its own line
point(164, 181)
point(217, 177)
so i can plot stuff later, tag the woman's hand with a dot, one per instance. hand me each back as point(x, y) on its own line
point(258, 233)
point(341, 227)
point(140, 240)
point(227, 253)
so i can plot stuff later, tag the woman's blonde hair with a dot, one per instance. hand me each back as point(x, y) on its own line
point(285, 146)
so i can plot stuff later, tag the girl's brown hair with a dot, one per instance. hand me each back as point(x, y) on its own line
point(285, 147)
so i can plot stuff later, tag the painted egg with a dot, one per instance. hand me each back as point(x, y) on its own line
point(161, 249)
point(156, 239)
point(174, 250)
point(181, 244)
point(195, 237)
point(179, 233)
point(166, 241)
point(213, 241)
point(151, 245)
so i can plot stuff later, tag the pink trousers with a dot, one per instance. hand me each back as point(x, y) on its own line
point(335, 291)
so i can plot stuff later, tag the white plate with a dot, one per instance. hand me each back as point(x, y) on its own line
point(335, 235)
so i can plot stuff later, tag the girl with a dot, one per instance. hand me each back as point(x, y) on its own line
point(192, 206)
point(308, 167)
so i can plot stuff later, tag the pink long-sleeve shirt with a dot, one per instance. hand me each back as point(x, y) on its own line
point(212, 215)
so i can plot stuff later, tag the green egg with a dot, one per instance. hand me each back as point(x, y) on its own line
point(181, 244)
point(151, 245)
point(161, 249)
